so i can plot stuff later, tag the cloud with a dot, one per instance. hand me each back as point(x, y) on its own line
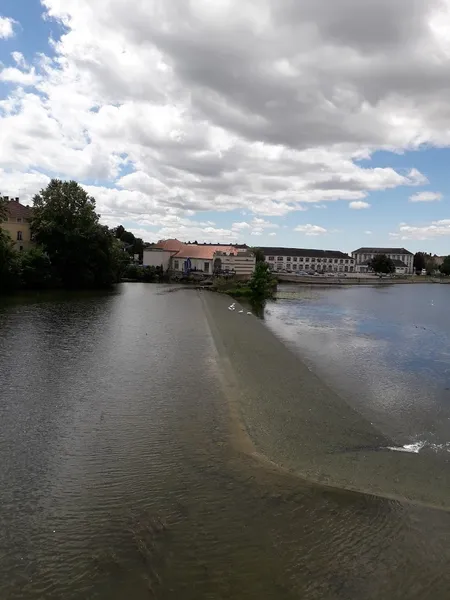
point(178, 108)
point(359, 205)
point(368, 232)
point(310, 230)
point(434, 230)
point(426, 197)
point(272, 234)
point(6, 27)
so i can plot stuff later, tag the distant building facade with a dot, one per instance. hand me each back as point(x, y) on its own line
point(403, 259)
point(206, 259)
point(17, 224)
point(301, 259)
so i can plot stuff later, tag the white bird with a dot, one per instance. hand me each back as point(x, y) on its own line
point(249, 313)
point(241, 311)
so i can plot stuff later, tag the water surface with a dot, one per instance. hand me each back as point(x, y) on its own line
point(118, 478)
point(385, 349)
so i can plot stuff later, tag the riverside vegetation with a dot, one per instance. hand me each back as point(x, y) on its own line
point(73, 250)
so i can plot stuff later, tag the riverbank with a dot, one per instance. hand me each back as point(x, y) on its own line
point(312, 280)
point(294, 420)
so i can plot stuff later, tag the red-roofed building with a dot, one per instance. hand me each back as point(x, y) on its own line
point(205, 259)
point(17, 224)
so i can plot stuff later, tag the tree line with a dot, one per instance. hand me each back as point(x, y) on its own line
point(72, 249)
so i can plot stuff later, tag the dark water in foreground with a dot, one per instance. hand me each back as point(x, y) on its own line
point(118, 478)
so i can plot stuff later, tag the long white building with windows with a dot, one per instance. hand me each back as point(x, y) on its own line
point(403, 259)
point(300, 259)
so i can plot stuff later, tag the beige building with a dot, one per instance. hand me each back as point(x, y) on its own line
point(17, 224)
point(362, 257)
point(294, 260)
point(240, 262)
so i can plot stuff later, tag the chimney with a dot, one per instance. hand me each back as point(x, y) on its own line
point(6, 198)
point(17, 199)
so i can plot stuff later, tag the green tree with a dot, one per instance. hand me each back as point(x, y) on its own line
point(262, 284)
point(445, 267)
point(9, 272)
point(35, 269)
point(83, 253)
point(382, 264)
point(3, 210)
point(419, 261)
point(259, 254)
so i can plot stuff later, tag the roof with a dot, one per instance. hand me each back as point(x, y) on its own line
point(205, 252)
point(17, 210)
point(382, 251)
point(269, 251)
point(171, 245)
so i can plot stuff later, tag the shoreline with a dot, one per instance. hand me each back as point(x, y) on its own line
point(285, 416)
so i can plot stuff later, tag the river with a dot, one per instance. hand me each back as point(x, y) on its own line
point(120, 478)
point(385, 349)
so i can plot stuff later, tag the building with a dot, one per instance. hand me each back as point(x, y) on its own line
point(17, 224)
point(160, 254)
point(197, 257)
point(301, 259)
point(362, 257)
point(240, 262)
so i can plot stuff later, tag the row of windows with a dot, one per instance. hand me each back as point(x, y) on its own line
point(330, 268)
point(401, 257)
point(313, 260)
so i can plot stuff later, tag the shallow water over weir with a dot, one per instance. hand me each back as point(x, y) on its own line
point(119, 475)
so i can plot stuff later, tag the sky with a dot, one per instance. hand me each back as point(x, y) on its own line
point(271, 122)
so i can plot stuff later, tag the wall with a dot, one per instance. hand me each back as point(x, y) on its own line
point(197, 264)
point(156, 258)
point(241, 264)
point(13, 227)
point(338, 265)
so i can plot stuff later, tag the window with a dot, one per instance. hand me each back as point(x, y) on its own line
point(330, 261)
point(176, 265)
point(313, 260)
point(346, 262)
point(279, 267)
point(279, 258)
point(288, 266)
point(19, 219)
point(271, 257)
point(288, 259)
point(319, 260)
point(300, 259)
point(306, 259)
point(341, 261)
point(295, 259)
point(19, 236)
point(206, 267)
point(335, 261)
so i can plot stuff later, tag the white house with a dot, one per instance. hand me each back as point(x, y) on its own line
point(362, 257)
point(301, 259)
point(160, 254)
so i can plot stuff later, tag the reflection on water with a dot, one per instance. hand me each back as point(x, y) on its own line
point(386, 349)
point(117, 478)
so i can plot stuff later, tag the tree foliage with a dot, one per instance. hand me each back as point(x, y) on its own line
point(262, 284)
point(445, 267)
point(82, 252)
point(259, 254)
point(419, 261)
point(3, 210)
point(382, 264)
point(9, 275)
point(132, 244)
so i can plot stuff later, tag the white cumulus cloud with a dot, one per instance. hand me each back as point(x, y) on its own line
point(6, 27)
point(177, 108)
point(311, 230)
point(426, 197)
point(359, 205)
point(433, 230)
